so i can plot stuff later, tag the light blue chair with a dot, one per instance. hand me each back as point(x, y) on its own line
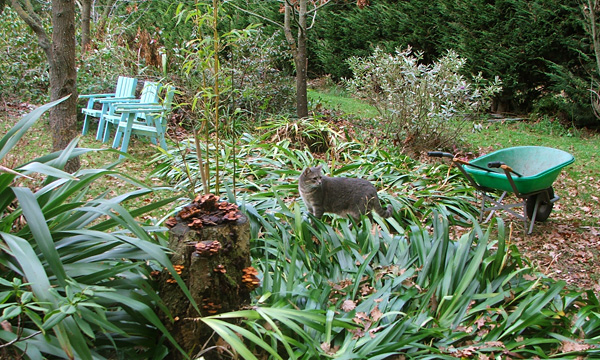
point(125, 90)
point(143, 119)
point(111, 119)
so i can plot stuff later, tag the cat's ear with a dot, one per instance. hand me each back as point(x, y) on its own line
point(306, 171)
point(319, 168)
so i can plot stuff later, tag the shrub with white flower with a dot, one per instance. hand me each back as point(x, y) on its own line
point(422, 107)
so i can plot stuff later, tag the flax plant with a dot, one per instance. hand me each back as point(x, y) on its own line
point(414, 292)
point(75, 271)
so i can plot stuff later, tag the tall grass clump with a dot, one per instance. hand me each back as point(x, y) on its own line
point(412, 292)
point(76, 269)
point(422, 107)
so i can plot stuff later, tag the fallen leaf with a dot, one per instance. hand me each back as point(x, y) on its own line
point(348, 305)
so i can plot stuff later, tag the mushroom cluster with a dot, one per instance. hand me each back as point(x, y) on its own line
point(249, 278)
point(220, 268)
point(211, 308)
point(178, 270)
point(207, 248)
point(206, 210)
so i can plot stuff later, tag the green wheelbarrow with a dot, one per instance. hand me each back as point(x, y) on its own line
point(526, 171)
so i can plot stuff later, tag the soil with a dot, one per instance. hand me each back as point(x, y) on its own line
point(567, 245)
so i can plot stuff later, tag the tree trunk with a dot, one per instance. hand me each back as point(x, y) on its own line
point(63, 74)
point(63, 77)
point(301, 64)
point(299, 53)
point(86, 10)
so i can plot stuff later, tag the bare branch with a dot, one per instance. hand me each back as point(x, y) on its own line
point(254, 14)
point(34, 23)
point(317, 7)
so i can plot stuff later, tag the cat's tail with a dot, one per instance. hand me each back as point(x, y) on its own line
point(385, 214)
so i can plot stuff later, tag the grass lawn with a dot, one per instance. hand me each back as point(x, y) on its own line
point(38, 142)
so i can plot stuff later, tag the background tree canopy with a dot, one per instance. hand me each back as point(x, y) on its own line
point(539, 48)
point(522, 42)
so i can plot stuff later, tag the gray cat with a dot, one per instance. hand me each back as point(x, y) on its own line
point(339, 195)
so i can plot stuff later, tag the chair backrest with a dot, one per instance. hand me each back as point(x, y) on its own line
point(167, 103)
point(150, 93)
point(149, 96)
point(168, 100)
point(125, 87)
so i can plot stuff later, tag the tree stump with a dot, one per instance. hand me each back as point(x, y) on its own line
point(210, 241)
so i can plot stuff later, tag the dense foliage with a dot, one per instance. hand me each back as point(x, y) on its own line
point(519, 41)
point(413, 285)
point(75, 269)
point(23, 67)
point(539, 49)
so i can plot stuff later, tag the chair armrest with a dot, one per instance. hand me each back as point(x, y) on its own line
point(139, 108)
point(113, 100)
point(126, 107)
point(87, 96)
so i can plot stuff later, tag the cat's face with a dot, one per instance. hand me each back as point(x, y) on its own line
point(311, 177)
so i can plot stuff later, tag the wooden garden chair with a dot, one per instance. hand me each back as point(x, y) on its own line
point(149, 120)
point(124, 90)
point(111, 119)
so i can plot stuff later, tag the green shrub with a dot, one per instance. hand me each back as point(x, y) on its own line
point(259, 87)
point(24, 66)
point(421, 106)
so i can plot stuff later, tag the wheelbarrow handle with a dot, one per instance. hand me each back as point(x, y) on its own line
point(440, 154)
point(503, 166)
point(462, 162)
point(454, 159)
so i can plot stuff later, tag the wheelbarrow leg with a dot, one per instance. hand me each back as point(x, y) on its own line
point(482, 211)
point(538, 200)
point(544, 201)
point(498, 203)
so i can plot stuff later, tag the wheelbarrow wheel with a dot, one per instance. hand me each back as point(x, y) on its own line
point(544, 208)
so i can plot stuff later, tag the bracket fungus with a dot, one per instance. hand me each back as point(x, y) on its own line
point(207, 248)
point(206, 210)
point(220, 268)
point(250, 278)
point(178, 270)
point(211, 308)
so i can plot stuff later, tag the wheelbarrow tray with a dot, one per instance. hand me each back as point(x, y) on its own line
point(538, 166)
